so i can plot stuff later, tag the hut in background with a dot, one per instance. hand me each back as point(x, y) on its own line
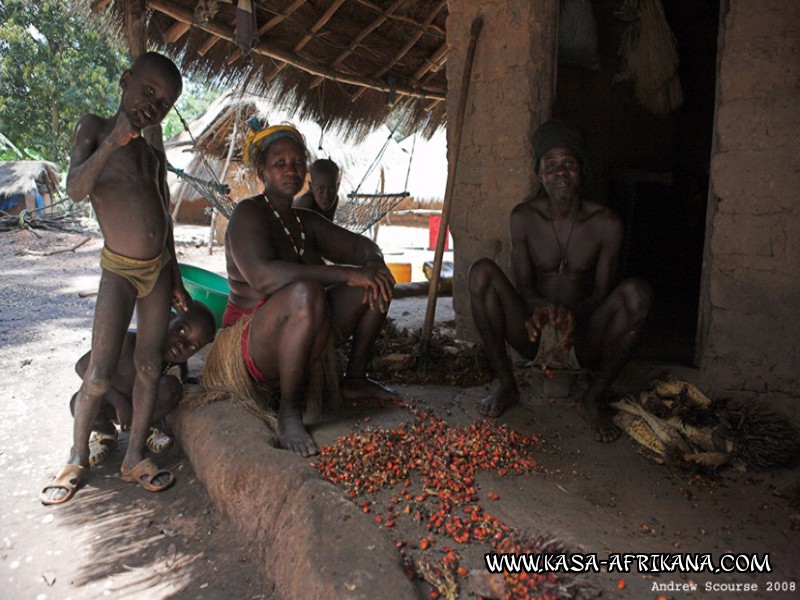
point(383, 161)
point(27, 185)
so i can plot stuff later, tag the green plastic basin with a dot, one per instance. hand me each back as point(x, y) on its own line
point(209, 288)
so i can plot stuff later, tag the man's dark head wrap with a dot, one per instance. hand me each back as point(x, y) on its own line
point(552, 134)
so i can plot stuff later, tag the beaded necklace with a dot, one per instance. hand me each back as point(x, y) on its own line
point(302, 249)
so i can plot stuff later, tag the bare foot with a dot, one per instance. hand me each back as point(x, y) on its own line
point(598, 415)
point(494, 404)
point(356, 388)
point(293, 436)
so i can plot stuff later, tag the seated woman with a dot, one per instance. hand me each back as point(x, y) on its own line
point(285, 301)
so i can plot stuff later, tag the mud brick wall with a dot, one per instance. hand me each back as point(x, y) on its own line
point(751, 289)
point(510, 95)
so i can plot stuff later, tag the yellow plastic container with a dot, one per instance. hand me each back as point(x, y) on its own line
point(400, 271)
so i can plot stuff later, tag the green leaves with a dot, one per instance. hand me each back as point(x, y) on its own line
point(55, 66)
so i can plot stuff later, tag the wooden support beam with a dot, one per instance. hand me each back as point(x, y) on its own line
point(212, 40)
point(433, 62)
point(428, 28)
point(274, 21)
point(207, 45)
point(380, 20)
point(320, 23)
point(406, 48)
point(174, 33)
point(135, 13)
point(271, 51)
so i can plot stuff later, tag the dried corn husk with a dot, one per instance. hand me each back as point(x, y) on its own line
point(669, 388)
point(639, 431)
point(688, 428)
point(666, 434)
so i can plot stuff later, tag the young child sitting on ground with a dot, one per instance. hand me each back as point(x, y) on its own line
point(188, 333)
point(125, 178)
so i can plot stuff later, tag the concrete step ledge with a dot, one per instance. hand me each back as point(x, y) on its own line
point(313, 542)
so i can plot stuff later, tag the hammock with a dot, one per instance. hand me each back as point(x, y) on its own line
point(362, 211)
point(218, 194)
point(358, 213)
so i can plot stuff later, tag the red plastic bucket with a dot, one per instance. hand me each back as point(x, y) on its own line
point(434, 222)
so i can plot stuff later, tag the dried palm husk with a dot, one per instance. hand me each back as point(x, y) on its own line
point(762, 437)
point(649, 55)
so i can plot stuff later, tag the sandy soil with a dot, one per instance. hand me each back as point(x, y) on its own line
point(117, 540)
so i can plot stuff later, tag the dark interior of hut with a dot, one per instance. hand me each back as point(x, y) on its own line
point(653, 170)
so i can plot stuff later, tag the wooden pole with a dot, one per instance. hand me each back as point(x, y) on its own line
point(428, 28)
point(214, 211)
point(135, 20)
point(274, 21)
point(135, 15)
point(458, 127)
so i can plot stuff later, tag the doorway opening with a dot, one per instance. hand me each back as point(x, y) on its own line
point(653, 170)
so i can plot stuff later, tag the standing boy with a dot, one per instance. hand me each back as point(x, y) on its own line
point(125, 179)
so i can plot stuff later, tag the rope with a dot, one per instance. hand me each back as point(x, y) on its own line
point(216, 192)
point(377, 159)
point(223, 189)
point(362, 211)
point(410, 158)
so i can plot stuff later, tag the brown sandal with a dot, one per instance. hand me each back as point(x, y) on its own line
point(69, 478)
point(100, 446)
point(145, 472)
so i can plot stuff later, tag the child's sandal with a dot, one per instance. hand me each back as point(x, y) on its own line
point(100, 446)
point(158, 441)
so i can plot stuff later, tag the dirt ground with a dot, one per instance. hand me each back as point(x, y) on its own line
point(114, 539)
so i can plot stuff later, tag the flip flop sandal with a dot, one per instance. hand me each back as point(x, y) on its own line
point(100, 446)
point(69, 478)
point(158, 441)
point(145, 472)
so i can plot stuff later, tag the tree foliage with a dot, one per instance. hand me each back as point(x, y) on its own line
point(55, 65)
point(194, 100)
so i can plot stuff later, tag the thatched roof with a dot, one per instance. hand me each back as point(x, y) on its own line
point(353, 63)
point(20, 176)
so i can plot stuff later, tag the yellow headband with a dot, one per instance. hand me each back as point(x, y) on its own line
point(258, 140)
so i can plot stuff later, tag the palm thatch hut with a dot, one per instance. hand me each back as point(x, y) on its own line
point(27, 185)
point(707, 189)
